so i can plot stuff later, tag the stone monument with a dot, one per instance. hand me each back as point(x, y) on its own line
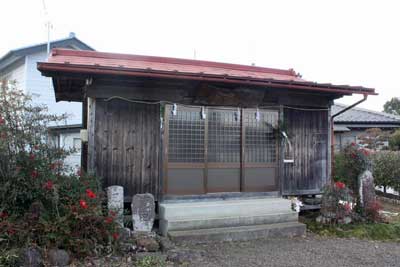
point(367, 188)
point(115, 196)
point(143, 213)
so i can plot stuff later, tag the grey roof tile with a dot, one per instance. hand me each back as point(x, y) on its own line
point(357, 115)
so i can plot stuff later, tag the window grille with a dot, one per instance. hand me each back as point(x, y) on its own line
point(186, 136)
point(223, 136)
point(260, 137)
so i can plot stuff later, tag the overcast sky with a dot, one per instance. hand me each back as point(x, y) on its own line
point(341, 42)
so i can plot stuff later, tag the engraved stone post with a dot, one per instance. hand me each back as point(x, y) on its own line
point(367, 188)
point(115, 195)
point(143, 212)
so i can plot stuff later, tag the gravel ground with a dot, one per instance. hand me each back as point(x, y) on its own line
point(305, 251)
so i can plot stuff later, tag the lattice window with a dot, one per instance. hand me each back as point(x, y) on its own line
point(223, 136)
point(260, 137)
point(186, 136)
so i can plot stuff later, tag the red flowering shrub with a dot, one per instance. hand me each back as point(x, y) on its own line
point(83, 204)
point(90, 193)
point(337, 203)
point(109, 220)
point(115, 236)
point(41, 201)
point(48, 185)
point(340, 185)
point(349, 164)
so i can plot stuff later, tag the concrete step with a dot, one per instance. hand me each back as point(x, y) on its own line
point(223, 208)
point(240, 233)
point(181, 216)
point(192, 224)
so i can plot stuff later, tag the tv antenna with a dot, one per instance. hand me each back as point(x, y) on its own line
point(48, 25)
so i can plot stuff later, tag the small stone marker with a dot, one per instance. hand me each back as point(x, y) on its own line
point(58, 257)
point(115, 195)
point(30, 257)
point(367, 188)
point(143, 212)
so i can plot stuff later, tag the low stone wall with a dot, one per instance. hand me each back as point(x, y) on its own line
point(388, 198)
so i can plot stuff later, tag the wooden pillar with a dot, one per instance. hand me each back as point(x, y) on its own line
point(91, 149)
point(242, 150)
point(331, 147)
point(281, 151)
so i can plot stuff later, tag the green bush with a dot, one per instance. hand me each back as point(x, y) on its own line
point(42, 202)
point(371, 231)
point(394, 141)
point(349, 164)
point(386, 169)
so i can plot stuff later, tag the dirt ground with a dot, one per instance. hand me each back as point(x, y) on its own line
point(306, 251)
point(310, 250)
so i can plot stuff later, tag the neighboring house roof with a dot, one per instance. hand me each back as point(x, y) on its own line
point(364, 118)
point(16, 54)
point(340, 128)
point(62, 127)
point(65, 128)
point(98, 63)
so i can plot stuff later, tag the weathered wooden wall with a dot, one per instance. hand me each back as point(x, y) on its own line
point(126, 145)
point(308, 132)
point(127, 135)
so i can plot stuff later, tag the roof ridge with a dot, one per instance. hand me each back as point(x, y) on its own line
point(10, 52)
point(40, 44)
point(173, 60)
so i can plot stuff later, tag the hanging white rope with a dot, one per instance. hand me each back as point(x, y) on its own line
point(213, 107)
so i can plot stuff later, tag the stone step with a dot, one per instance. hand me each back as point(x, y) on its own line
point(223, 208)
point(240, 233)
point(193, 224)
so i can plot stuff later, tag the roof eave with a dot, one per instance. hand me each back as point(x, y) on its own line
point(53, 69)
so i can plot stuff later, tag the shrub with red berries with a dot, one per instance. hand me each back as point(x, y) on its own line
point(42, 202)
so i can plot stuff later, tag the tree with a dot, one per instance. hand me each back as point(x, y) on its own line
point(386, 169)
point(394, 141)
point(392, 106)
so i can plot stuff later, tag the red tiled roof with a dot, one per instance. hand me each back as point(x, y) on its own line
point(91, 62)
point(166, 64)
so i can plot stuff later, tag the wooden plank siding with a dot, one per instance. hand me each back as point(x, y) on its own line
point(127, 145)
point(308, 132)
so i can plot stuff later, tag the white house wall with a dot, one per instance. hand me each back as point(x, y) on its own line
point(42, 90)
point(16, 73)
point(67, 142)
